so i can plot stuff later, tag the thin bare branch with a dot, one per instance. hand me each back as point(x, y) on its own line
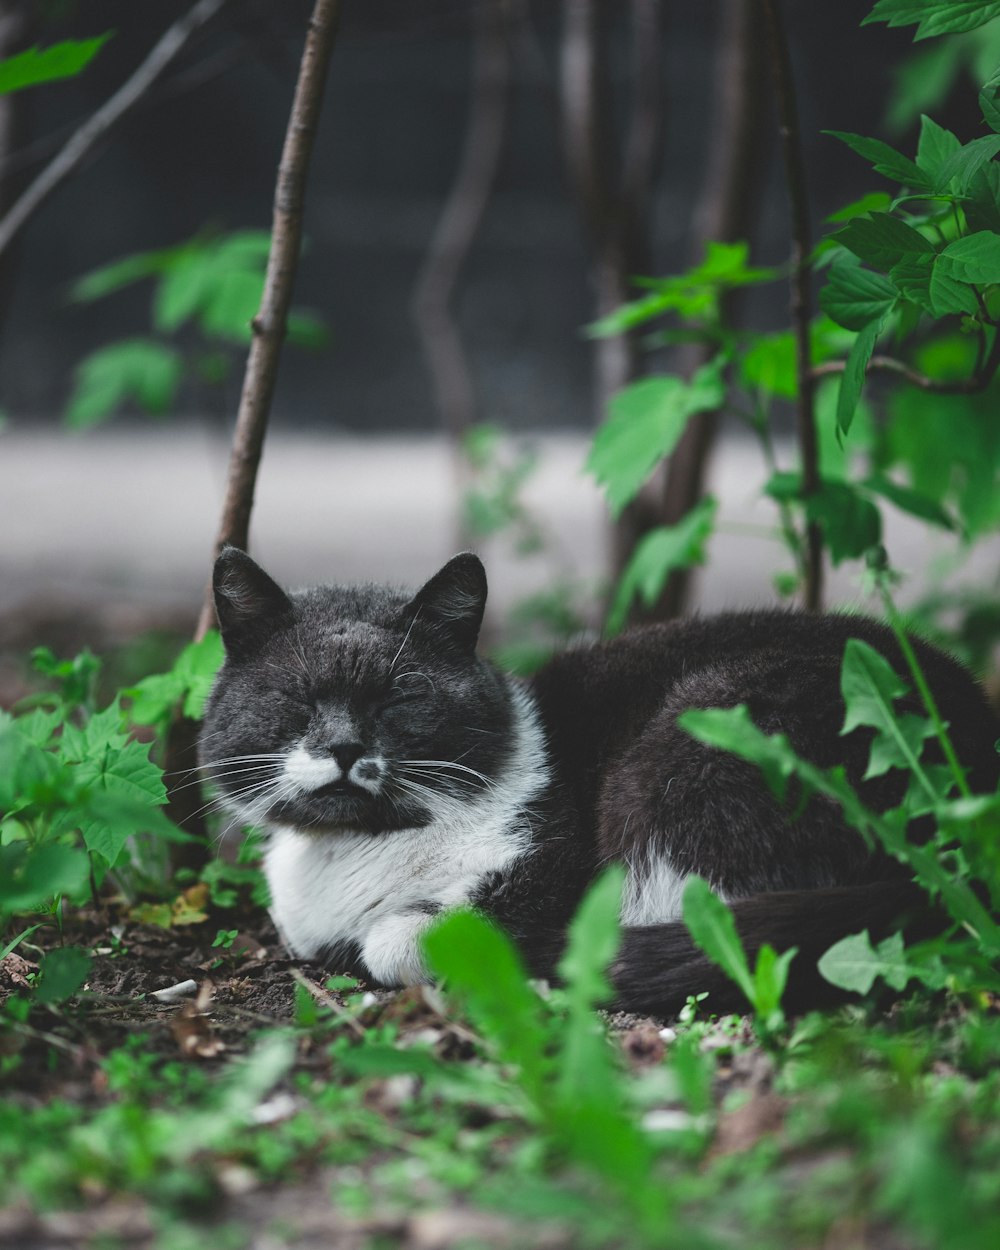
point(462, 216)
point(973, 385)
point(724, 211)
point(270, 323)
point(800, 303)
point(100, 124)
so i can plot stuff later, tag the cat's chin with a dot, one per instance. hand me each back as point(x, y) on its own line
point(333, 811)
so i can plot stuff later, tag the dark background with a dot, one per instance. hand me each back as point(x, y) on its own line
point(203, 149)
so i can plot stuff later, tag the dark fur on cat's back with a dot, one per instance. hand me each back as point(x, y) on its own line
point(399, 774)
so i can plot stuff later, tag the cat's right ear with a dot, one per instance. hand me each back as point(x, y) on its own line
point(248, 603)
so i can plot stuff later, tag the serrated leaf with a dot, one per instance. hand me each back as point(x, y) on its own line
point(853, 378)
point(854, 297)
point(947, 294)
point(934, 17)
point(139, 370)
point(854, 964)
point(935, 147)
point(989, 101)
point(190, 679)
point(711, 925)
point(958, 171)
point(882, 240)
point(59, 60)
point(655, 557)
point(974, 258)
point(885, 159)
point(870, 686)
point(646, 421)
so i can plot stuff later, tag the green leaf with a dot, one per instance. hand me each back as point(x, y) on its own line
point(853, 379)
point(646, 421)
point(989, 101)
point(958, 171)
point(851, 523)
point(854, 297)
point(934, 17)
point(59, 60)
point(594, 937)
point(982, 199)
point(30, 877)
point(872, 202)
point(975, 258)
point(190, 680)
point(692, 295)
point(912, 277)
point(948, 294)
point(63, 972)
point(854, 964)
point(882, 240)
point(120, 273)
point(657, 554)
point(870, 686)
point(711, 925)
point(911, 501)
point(770, 976)
point(885, 160)
point(935, 147)
point(135, 369)
point(480, 964)
point(731, 729)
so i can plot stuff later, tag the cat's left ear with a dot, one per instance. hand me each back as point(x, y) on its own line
point(454, 600)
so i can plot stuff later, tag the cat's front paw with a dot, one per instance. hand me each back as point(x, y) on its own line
point(392, 949)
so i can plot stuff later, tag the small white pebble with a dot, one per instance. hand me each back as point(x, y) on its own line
point(668, 1035)
point(666, 1119)
point(174, 993)
point(280, 1106)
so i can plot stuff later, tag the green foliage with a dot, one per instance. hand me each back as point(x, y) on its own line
point(39, 65)
point(138, 370)
point(563, 1063)
point(657, 555)
point(186, 686)
point(206, 292)
point(962, 848)
point(646, 421)
point(711, 924)
point(934, 17)
point(76, 791)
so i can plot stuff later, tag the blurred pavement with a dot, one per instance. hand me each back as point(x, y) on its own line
point(125, 517)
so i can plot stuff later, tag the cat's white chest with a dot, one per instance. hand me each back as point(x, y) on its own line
point(380, 891)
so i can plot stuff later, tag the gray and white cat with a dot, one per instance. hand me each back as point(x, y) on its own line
point(398, 774)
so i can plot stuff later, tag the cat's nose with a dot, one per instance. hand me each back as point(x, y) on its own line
point(345, 753)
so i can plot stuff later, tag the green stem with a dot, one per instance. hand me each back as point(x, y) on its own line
point(923, 689)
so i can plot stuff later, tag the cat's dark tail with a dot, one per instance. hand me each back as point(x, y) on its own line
point(659, 967)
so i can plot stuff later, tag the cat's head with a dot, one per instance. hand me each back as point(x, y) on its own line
point(352, 708)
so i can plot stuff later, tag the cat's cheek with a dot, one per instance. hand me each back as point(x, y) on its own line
point(392, 949)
